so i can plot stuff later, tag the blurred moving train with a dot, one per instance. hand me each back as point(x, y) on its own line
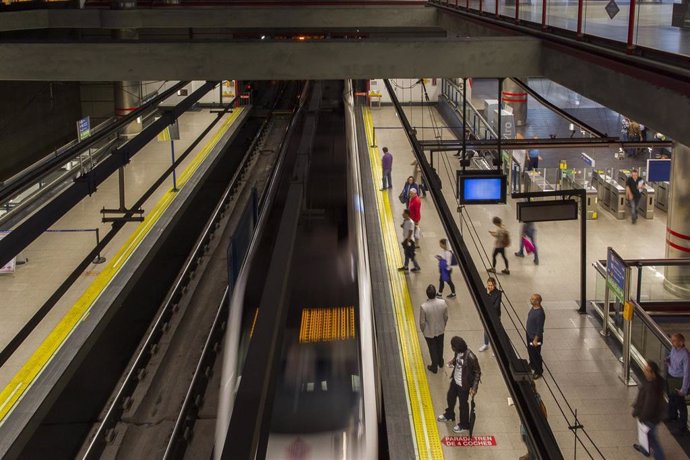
point(326, 401)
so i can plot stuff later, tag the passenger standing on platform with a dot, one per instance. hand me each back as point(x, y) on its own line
point(387, 166)
point(405, 194)
point(417, 174)
point(528, 231)
point(633, 187)
point(677, 382)
point(495, 296)
point(415, 206)
point(532, 158)
point(501, 242)
point(433, 317)
point(464, 382)
point(445, 262)
point(535, 335)
point(649, 409)
point(408, 242)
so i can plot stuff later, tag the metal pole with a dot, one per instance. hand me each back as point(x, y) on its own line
point(517, 10)
point(500, 110)
point(464, 122)
point(607, 310)
point(631, 25)
point(121, 181)
point(580, 5)
point(99, 259)
point(496, 8)
point(172, 154)
point(373, 136)
point(543, 14)
point(639, 284)
point(627, 330)
point(583, 251)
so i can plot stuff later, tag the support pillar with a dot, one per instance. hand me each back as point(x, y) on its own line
point(516, 98)
point(677, 279)
point(127, 93)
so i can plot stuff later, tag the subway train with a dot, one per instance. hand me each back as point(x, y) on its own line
point(327, 399)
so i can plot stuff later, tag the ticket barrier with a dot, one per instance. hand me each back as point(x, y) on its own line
point(663, 189)
point(591, 199)
point(536, 182)
point(599, 183)
point(617, 201)
point(647, 200)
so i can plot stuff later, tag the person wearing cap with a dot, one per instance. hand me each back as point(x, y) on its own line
point(464, 382)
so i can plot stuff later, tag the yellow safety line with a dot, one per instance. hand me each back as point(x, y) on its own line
point(34, 365)
point(427, 437)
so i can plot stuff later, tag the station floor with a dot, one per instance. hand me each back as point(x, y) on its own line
point(582, 371)
point(53, 256)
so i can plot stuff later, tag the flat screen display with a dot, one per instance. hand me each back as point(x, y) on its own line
point(481, 188)
point(546, 211)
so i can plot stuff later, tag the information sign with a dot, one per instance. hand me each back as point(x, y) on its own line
point(83, 128)
point(615, 274)
point(468, 441)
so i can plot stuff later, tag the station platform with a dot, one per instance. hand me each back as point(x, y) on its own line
point(54, 255)
point(582, 370)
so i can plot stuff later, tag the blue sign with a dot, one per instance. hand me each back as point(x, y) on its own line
point(658, 170)
point(615, 271)
point(589, 161)
point(83, 128)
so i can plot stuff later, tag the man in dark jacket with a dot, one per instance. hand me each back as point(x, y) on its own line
point(649, 408)
point(463, 383)
point(495, 296)
point(535, 334)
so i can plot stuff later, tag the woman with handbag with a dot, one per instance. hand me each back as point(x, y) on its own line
point(405, 194)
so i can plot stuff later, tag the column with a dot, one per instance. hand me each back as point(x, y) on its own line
point(515, 97)
point(677, 279)
point(127, 93)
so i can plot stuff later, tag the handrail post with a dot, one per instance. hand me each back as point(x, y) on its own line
point(496, 12)
point(607, 310)
point(627, 331)
point(543, 14)
point(631, 25)
point(580, 8)
point(517, 10)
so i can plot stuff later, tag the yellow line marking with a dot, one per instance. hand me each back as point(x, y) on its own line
point(427, 437)
point(46, 350)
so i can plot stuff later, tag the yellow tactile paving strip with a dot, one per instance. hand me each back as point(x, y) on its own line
point(427, 440)
point(23, 379)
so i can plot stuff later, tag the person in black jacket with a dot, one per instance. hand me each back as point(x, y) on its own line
point(650, 407)
point(495, 296)
point(464, 382)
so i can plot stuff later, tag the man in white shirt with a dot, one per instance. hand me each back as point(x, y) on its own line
point(408, 243)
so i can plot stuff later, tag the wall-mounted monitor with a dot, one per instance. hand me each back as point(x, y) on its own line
point(545, 211)
point(658, 170)
point(481, 187)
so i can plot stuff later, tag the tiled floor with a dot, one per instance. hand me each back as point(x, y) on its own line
point(580, 361)
point(54, 255)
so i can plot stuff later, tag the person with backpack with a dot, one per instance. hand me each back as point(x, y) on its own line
point(408, 243)
point(445, 267)
point(464, 382)
point(501, 242)
point(495, 296)
point(405, 194)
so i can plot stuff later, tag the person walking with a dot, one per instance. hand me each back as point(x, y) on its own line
point(445, 267)
point(633, 192)
point(535, 335)
point(405, 194)
point(408, 243)
point(495, 296)
point(527, 230)
point(677, 383)
point(387, 167)
point(532, 158)
point(501, 242)
point(464, 382)
point(433, 317)
point(649, 409)
point(415, 206)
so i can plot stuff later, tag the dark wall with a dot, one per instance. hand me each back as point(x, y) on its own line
point(35, 119)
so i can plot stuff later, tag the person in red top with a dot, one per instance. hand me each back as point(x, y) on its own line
point(415, 207)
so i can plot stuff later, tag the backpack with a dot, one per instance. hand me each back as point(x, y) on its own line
point(505, 237)
point(453, 259)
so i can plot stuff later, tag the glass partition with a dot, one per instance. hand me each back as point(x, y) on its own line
point(647, 339)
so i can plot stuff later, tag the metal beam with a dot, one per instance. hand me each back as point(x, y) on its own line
point(515, 376)
point(557, 143)
point(270, 60)
point(272, 17)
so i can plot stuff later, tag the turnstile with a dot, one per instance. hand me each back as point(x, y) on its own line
point(616, 199)
point(592, 197)
point(663, 190)
point(536, 182)
point(646, 206)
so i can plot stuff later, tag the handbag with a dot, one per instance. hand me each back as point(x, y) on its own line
point(529, 247)
point(402, 198)
point(643, 435)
